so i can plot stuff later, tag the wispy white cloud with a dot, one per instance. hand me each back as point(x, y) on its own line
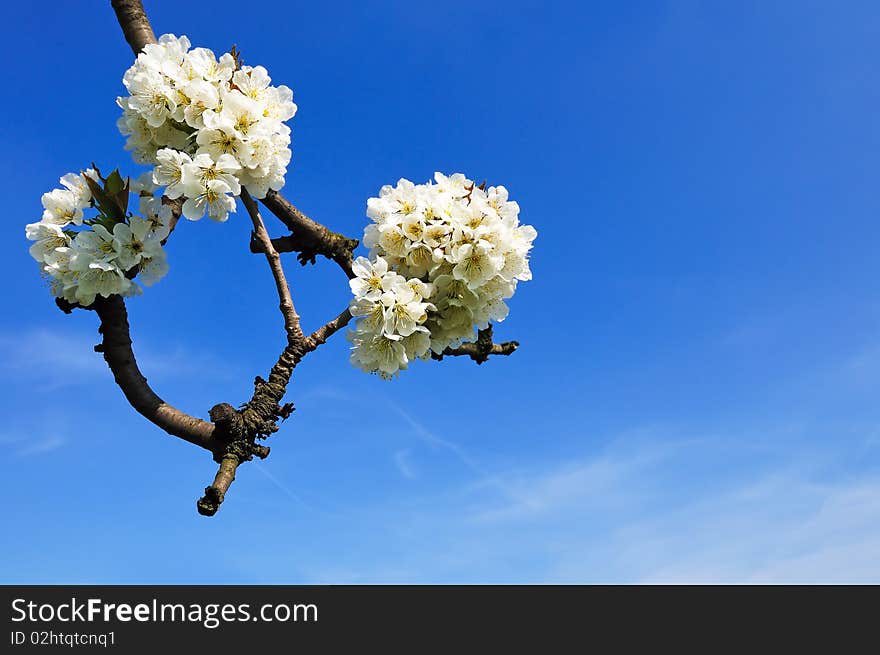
point(42, 446)
point(42, 352)
point(482, 475)
point(402, 460)
point(62, 358)
point(764, 502)
point(596, 481)
point(862, 367)
point(786, 524)
point(782, 528)
point(25, 446)
point(285, 489)
point(427, 436)
point(613, 516)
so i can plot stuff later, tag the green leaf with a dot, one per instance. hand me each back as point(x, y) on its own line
point(98, 194)
point(123, 195)
point(111, 200)
point(114, 183)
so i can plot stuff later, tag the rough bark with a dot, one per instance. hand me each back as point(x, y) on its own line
point(214, 494)
point(258, 418)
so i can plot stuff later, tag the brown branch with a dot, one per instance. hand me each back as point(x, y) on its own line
point(258, 417)
point(176, 210)
point(261, 236)
point(324, 332)
point(133, 21)
point(232, 434)
point(116, 348)
point(481, 349)
point(308, 237)
point(214, 494)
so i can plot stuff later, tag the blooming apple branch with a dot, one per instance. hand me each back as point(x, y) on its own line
point(443, 258)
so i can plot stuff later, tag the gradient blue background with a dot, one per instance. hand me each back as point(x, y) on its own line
point(696, 394)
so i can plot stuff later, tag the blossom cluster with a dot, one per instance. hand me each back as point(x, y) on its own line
point(444, 256)
point(84, 258)
point(391, 311)
point(208, 125)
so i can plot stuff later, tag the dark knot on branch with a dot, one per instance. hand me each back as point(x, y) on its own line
point(235, 445)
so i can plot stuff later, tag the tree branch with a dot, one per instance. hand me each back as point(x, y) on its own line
point(214, 494)
point(324, 332)
point(481, 349)
point(116, 348)
point(261, 236)
point(258, 418)
point(232, 434)
point(176, 209)
point(133, 21)
point(308, 238)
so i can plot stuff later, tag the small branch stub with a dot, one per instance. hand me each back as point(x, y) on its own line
point(214, 494)
point(481, 349)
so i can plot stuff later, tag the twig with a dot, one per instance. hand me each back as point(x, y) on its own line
point(481, 349)
point(291, 318)
point(259, 416)
point(308, 238)
point(214, 494)
point(232, 434)
point(324, 332)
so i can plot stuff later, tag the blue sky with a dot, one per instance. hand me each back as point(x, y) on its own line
point(695, 398)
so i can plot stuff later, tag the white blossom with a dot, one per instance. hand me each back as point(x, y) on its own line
point(47, 237)
point(203, 169)
point(61, 207)
point(100, 278)
point(368, 281)
point(135, 242)
point(214, 197)
point(199, 96)
point(82, 258)
point(169, 171)
point(377, 352)
point(444, 257)
point(189, 101)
